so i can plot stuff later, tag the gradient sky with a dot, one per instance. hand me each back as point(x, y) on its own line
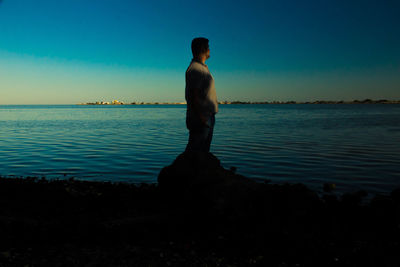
point(67, 52)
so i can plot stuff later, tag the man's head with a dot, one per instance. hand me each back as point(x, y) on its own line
point(200, 47)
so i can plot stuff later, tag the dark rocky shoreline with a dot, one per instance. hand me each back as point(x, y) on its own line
point(198, 215)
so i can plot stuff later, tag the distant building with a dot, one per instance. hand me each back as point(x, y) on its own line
point(116, 102)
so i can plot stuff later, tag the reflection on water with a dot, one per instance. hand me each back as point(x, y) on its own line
point(354, 146)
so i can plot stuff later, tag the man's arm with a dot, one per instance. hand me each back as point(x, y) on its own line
point(194, 78)
point(196, 106)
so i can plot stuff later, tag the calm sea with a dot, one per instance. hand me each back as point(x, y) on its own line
point(354, 146)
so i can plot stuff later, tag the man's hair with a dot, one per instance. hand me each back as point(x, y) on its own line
point(199, 46)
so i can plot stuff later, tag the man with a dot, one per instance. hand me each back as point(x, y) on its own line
point(201, 98)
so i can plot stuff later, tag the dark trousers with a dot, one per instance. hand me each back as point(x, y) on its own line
point(200, 136)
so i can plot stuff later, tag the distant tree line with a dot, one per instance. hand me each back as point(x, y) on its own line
point(365, 101)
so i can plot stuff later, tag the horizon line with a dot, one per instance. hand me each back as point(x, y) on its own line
point(221, 102)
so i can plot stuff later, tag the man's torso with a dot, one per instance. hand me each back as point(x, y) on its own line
point(199, 78)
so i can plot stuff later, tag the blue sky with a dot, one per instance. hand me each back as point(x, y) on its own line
point(66, 52)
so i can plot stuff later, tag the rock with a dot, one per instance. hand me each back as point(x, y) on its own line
point(328, 187)
point(186, 169)
point(198, 179)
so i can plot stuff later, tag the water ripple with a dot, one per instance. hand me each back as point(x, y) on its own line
point(353, 146)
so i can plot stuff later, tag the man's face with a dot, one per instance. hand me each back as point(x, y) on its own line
point(208, 53)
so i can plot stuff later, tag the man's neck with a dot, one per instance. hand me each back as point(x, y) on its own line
point(200, 59)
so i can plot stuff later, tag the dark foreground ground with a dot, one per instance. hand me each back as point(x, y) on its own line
point(198, 215)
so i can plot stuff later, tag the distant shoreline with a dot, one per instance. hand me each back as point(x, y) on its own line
point(365, 101)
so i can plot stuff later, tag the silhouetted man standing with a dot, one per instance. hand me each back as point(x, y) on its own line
point(201, 98)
